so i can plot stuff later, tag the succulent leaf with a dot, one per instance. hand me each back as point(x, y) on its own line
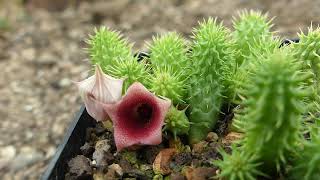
point(131, 70)
point(165, 82)
point(107, 47)
point(308, 51)
point(272, 113)
point(250, 27)
point(177, 122)
point(306, 166)
point(211, 52)
point(238, 166)
point(170, 50)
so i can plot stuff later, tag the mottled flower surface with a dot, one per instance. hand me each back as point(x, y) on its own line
point(97, 90)
point(138, 117)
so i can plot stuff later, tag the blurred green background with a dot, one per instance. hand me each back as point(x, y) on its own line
point(42, 49)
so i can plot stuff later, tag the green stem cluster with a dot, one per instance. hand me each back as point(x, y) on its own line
point(170, 64)
point(272, 114)
point(245, 67)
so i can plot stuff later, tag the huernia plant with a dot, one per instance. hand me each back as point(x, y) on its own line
point(211, 52)
point(113, 53)
point(250, 27)
point(270, 86)
point(239, 165)
point(170, 50)
point(168, 83)
point(273, 109)
point(107, 47)
point(170, 64)
point(252, 39)
point(238, 81)
point(306, 164)
point(308, 51)
point(177, 122)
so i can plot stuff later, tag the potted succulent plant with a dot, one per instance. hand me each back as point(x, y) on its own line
point(226, 105)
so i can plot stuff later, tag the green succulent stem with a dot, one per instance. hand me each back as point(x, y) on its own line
point(170, 64)
point(177, 122)
point(107, 47)
point(306, 165)
point(272, 113)
point(308, 52)
point(211, 52)
point(165, 82)
point(250, 27)
point(273, 108)
point(131, 70)
point(252, 39)
point(239, 165)
point(170, 50)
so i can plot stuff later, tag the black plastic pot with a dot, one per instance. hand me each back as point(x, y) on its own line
point(75, 137)
point(70, 146)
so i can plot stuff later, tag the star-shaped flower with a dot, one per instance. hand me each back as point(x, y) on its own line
point(138, 117)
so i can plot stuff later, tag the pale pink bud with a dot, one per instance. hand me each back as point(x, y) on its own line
point(97, 90)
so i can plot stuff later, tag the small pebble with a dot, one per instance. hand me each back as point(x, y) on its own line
point(199, 147)
point(87, 149)
point(7, 153)
point(64, 82)
point(101, 155)
point(183, 158)
point(117, 169)
point(212, 137)
point(79, 167)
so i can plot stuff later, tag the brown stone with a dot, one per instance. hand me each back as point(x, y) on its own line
point(162, 162)
point(177, 176)
point(231, 138)
point(199, 147)
point(80, 167)
point(212, 137)
point(201, 173)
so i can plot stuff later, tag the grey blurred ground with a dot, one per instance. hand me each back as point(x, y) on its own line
point(41, 51)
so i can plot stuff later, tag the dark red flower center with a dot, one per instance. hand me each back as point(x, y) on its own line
point(138, 115)
point(143, 113)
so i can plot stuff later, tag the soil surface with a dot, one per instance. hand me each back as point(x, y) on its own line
point(98, 157)
point(42, 50)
